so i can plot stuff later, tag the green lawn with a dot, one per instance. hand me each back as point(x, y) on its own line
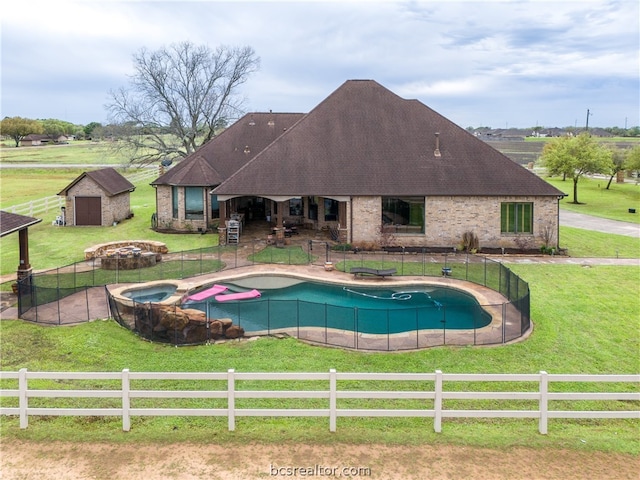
point(51, 246)
point(587, 243)
point(81, 153)
point(586, 321)
point(596, 200)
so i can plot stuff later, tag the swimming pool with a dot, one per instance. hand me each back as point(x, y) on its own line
point(286, 303)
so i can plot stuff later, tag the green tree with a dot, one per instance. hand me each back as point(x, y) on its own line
point(632, 159)
point(54, 127)
point(177, 99)
point(17, 128)
point(633, 132)
point(618, 157)
point(575, 157)
point(536, 130)
point(90, 127)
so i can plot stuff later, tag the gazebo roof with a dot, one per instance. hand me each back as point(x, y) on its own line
point(12, 222)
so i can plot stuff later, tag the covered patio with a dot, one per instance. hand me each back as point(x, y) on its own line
point(278, 218)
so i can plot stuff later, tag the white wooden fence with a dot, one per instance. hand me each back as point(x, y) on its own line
point(435, 398)
point(55, 202)
point(37, 207)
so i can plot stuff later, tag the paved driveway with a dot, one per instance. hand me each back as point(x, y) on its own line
point(588, 222)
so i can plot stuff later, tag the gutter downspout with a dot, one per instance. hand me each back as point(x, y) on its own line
point(351, 220)
point(558, 223)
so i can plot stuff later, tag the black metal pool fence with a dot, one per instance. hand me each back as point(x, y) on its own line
point(44, 297)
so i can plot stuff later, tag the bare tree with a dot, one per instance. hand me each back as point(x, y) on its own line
point(178, 97)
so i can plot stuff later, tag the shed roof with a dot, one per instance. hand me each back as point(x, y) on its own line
point(12, 222)
point(365, 140)
point(112, 182)
point(223, 155)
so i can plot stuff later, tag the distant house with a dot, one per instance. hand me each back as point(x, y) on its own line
point(98, 197)
point(34, 140)
point(377, 168)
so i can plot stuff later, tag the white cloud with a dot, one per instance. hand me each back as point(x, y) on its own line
point(494, 62)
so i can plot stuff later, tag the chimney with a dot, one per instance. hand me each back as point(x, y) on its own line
point(436, 152)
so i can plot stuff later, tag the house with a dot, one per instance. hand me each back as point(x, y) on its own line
point(379, 168)
point(98, 197)
point(34, 140)
point(183, 200)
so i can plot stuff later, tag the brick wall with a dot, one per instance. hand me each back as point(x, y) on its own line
point(164, 211)
point(114, 209)
point(448, 218)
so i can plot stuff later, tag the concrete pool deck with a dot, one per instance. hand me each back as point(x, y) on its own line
point(73, 309)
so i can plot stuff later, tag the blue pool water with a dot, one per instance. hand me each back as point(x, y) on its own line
point(363, 309)
point(156, 293)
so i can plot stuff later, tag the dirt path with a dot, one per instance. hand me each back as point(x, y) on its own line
point(76, 461)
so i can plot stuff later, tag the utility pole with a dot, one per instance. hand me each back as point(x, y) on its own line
point(587, 125)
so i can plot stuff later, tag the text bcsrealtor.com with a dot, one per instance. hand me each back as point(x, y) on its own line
point(318, 471)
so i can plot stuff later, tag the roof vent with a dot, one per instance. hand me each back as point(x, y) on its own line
point(247, 149)
point(252, 121)
point(436, 152)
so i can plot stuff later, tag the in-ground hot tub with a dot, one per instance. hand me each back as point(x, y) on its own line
point(168, 292)
point(155, 311)
point(157, 293)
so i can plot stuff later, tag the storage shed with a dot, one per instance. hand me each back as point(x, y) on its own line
point(99, 197)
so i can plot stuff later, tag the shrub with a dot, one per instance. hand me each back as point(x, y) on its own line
point(470, 242)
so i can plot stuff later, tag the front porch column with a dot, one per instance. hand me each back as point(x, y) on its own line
point(280, 225)
point(222, 226)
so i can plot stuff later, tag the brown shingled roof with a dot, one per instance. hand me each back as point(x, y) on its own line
point(108, 179)
point(365, 140)
point(222, 156)
point(12, 222)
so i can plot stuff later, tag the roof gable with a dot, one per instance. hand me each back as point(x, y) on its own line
point(224, 154)
point(13, 222)
point(107, 178)
point(365, 140)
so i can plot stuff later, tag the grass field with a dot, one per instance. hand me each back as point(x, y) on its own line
point(578, 329)
point(596, 200)
point(79, 152)
point(585, 321)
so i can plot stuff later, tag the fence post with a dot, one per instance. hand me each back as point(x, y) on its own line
point(231, 399)
point(23, 399)
point(126, 401)
point(485, 271)
point(504, 323)
point(333, 395)
point(437, 403)
point(544, 402)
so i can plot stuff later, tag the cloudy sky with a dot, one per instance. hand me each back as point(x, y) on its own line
point(491, 63)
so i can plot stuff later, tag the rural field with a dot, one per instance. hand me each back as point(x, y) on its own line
point(586, 321)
